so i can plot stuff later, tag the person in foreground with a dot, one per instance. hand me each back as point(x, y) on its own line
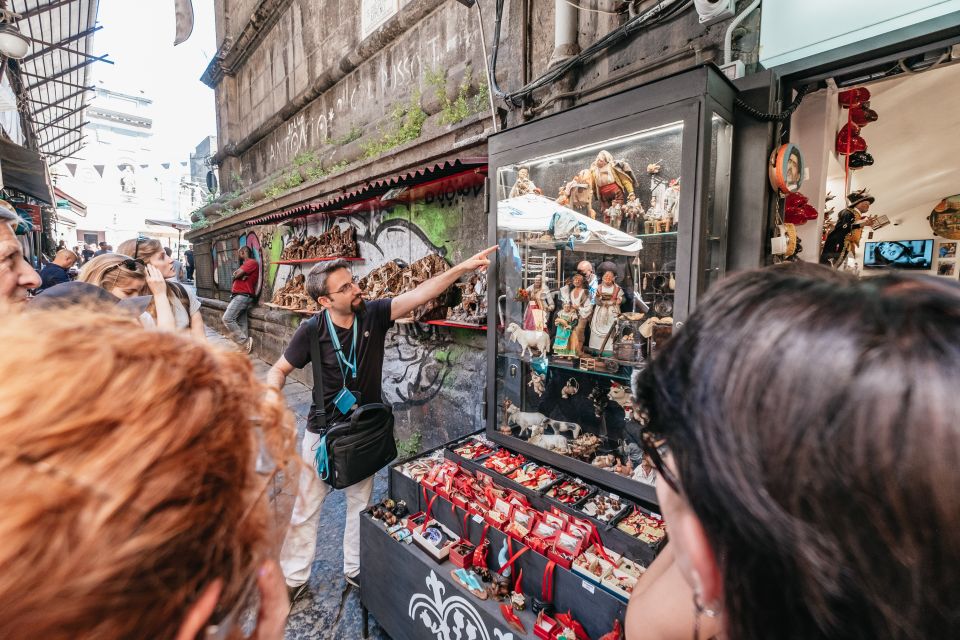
point(805, 431)
point(145, 518)
point(124, 277)
point(17, 277)
point(361, 331)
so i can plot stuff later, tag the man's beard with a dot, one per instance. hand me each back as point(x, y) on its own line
point(358, 306)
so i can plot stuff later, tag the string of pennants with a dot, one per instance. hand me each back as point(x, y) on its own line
point(100, 168)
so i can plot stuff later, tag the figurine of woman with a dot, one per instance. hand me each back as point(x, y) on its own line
point(563, 342)
point(608, 299)
point(578, 297)
point(524, 184)
point(610, 182)
point(540, 306)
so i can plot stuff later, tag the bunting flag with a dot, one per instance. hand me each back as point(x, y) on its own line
point(72, 168)
point(100, 168)
point(165, 165)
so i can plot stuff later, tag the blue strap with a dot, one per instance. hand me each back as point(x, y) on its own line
point(320, 459)
point(350, 362)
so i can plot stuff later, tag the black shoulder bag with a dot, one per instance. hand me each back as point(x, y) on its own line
point(353, 449)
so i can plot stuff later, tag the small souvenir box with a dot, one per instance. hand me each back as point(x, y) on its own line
point(619, 583)
point(499, 515)
point(435, 539)
point(473, 448)
point(460, 500)
point(644, 527)
point(546, 627)
point(605, 507)
point(602, 552)
point(504, 462)
point(461, 554)
point(416, 520)
point(592, 567)
point(533, 476)
point(565, 548)
point(521, 523)
point(569, 491)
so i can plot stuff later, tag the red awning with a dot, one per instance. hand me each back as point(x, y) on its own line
point(444, 180)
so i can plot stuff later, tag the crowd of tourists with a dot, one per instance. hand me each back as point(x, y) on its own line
point(800, 421)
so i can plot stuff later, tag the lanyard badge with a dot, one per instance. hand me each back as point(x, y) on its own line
point(349, 362)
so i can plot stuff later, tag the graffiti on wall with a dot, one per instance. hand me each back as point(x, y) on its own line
point(432, 377)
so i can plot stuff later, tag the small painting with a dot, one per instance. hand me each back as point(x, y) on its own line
point(947, 250)
point(947, 268)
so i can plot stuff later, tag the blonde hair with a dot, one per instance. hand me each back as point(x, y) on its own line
point(108, 272)
point(145, 249)
point(116, 514)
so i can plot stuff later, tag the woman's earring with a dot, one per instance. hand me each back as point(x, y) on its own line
point(699, 608)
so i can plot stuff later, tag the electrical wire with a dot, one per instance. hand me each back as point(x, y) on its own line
point(775, 117)
point(663, 11)
point(582, 8)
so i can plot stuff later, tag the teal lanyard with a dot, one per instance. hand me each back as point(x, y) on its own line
point(349, 362)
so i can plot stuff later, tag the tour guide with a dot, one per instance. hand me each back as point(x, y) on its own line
point(357, 368)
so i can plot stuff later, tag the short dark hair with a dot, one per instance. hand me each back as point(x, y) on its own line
point(317, 278)
point(780, 368)
point(245, 249)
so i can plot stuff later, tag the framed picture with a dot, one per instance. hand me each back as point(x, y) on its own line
point(947, 250)
point(947, 268)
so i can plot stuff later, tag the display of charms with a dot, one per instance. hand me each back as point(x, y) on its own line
point(389, 511)
point(529, 339)
point(293, 295)
point(470, 581)
point(570, 389)
point(533, 476)
point(418, 468)
point(500, 588)
point(643, 527)
point(599, 399)
point(504, 462)
point(518, 601)
point(472, 308)
point(337, 242)
point(569, 491)
point(604, 507)
point(550, 441)
point(538, 382)
point(585, 446)
point(391, 280)
point(475, 447)
point(613, 464)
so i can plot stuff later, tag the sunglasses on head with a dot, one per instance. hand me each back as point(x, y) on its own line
point(130, 264)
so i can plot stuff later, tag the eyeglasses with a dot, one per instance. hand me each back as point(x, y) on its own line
point(136, 247)
point(655, 447)
point(345, 288)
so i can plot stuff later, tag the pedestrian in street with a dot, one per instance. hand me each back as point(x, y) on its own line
point(346, 325)
point(191, 265)
point(17, 277)
point(803, 425)
point(57, 271)
point(243, 295)
point(135, 497)
point(125, 278)
point(88, 253)
point(104, 248)
point(177, 265)
point(183, 303)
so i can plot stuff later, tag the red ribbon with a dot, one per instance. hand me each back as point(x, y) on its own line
point(429, 511)
point(517, 586)
point(465, 530)
point(547, 588)
point(598, 543)
point(513, 559)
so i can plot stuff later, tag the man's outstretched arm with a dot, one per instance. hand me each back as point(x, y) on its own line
point(407, 302)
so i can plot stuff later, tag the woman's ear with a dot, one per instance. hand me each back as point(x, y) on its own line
point(199, 614)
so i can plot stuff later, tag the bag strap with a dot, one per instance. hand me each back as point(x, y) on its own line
point(313, 336)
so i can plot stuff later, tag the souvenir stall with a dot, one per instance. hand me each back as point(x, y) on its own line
point(610, 220)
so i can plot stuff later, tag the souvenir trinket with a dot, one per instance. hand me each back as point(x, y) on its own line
point(621, 395)
point(528, 339)
point(469, 581)
point(585, 446)
point(560, 427)
point(473, 448)
point(504, 462)
point(570, 491)
point(524, 185)
point(570, 389)
point(565, 344)
point(643, 527)
point(611, 180)
point(546, 627)
point(599, 399)
point(472, 308)
point(518, 601)
point(616, 634)
point(537, 382)
point(511, 619)
point(603, 507)
point(549, 441)
point(533, 476)
point(499, 589)
point(567, 622)
point(525, 420)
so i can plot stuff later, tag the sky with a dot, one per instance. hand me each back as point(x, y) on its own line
point(138, 36)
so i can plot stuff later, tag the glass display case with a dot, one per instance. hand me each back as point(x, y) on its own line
point(610, 220)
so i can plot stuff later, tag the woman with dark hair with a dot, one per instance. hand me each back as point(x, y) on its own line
point(897, 253)
point(805, 432)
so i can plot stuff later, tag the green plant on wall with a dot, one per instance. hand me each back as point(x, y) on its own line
point(405, 124)
point(453, 111)
point(306, 157)
point(354, 134)
point(409, 446)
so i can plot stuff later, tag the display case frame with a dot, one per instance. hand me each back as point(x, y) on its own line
point(702, 99)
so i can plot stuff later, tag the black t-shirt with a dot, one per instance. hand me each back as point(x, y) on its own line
point(371, 333)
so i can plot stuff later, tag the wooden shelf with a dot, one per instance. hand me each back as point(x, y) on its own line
point(301, 312)
point(457, 325)
point(312, 260)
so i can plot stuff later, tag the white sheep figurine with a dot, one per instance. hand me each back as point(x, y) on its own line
point(529, 339)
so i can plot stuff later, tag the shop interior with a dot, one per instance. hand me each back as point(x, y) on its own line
point(913, 177)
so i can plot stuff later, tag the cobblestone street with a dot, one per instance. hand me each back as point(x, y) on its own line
point(330, 609)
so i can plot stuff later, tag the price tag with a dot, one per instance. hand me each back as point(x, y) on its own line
point(614, 496)
point(587, 586)
point(476, 518)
